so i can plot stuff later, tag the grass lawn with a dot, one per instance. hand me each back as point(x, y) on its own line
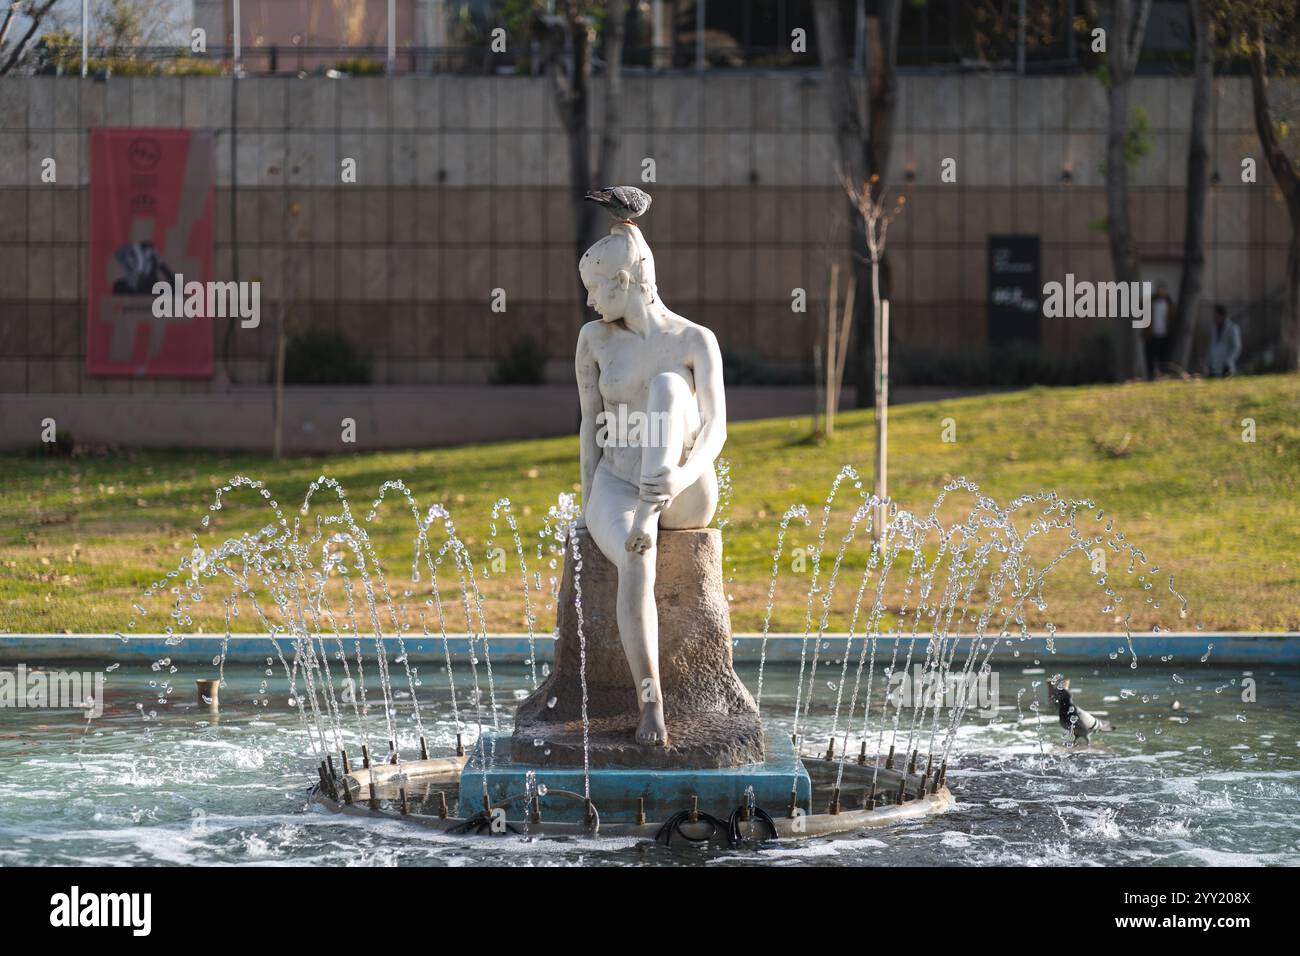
point(81, 538)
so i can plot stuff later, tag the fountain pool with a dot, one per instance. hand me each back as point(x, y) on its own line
point(185, 789)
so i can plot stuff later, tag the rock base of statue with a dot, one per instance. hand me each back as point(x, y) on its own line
point(712, 720)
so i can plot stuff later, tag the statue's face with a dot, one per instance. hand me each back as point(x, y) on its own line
point(605, 293)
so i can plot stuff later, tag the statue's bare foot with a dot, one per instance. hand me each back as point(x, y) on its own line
point(645, 529)
point(652, 731)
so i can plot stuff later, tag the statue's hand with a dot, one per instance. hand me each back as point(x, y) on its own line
point(668, 482)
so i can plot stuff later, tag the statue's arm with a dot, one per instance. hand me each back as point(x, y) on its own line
point(709, 394)
point(588, 375)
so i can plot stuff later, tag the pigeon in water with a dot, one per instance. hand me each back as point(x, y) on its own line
point(1073, 717)
point(624, 203)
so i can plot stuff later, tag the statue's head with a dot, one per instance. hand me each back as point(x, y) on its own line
point(616, 269)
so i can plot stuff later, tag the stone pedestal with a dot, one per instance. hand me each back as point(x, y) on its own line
point(712, 720)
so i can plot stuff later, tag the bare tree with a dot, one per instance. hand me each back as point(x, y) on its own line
point(864, 122)
point(838, 326)
point(1256, 21)
point(1123, 47)
point(566, 43)
point(1198, 166)
point(35, 12)
point(867, 197)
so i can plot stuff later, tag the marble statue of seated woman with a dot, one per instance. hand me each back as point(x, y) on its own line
point(653, 423)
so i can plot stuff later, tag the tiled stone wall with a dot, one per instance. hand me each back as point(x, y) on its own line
point(462, 188)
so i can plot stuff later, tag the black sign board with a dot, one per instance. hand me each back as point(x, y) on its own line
point(1015, 289)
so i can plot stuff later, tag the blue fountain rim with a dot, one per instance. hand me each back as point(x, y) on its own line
point(1271, 648)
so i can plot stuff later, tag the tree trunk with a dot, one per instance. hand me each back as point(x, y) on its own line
point(1125, 45)
point(36, 15)
point(568, 57)
point(1289, 357)
point(1288, 183)
point(1198, 165)
point(862, 150)
point(1123, 254)
point(579, 128)
point(591, 224)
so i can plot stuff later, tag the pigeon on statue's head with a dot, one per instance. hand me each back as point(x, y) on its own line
point(624, 203)
point(1073, 717)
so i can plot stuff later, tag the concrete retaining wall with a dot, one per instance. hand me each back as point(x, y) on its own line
point(462, 188)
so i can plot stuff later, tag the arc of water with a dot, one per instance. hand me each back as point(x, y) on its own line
point(946, 665)
point(908, 532)
point(873, 562)
point(576, 551)
point(872, 629)
point(442, 629)
point(845, 472)
point(795, 511)
point(922, 604)
point(503, 504)
point(931, 674)
point(459, 559)
point(241, 583)
point(824, 621)
point(253, 548)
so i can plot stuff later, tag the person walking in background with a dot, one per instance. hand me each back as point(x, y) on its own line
point(1159, 332)
point(1225, 345)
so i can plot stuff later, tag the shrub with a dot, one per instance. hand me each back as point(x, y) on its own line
point(746, 367)
point(360, 66)
point(1015, 365)
point(317, 357)
point(523, 364)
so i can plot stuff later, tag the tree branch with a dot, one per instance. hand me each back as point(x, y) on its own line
point(1274, 154)
point(37, 14)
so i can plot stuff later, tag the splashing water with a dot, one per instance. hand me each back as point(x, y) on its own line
point(318, 591)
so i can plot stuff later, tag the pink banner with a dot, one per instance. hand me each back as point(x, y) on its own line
point(151, 202)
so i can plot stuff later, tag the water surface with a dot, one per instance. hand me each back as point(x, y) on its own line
point(1213, 782)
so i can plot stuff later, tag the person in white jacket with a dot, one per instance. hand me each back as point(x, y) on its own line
point(1225, 345)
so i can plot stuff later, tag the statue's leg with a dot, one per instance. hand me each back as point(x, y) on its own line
point(609, 520)
point(674, 416)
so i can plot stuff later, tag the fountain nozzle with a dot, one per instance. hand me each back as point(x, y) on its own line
point(208, 694)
